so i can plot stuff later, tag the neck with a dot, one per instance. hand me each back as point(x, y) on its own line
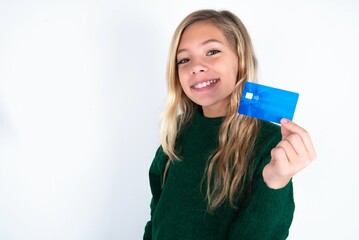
point(214, 111)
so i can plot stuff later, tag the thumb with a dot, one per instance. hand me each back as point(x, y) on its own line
point(283, 128)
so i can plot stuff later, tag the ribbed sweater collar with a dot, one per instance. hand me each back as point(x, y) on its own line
point(199, 118)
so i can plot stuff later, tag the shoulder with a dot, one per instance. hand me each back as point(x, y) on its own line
point(159, 161)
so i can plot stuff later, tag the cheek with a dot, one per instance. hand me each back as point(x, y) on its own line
point(234, 72)
point(183, 85)
point(182, 78)
point(231, 72)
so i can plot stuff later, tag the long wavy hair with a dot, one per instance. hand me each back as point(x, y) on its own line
point(229, 165)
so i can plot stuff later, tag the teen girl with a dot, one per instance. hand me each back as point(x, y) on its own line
point(218, 174)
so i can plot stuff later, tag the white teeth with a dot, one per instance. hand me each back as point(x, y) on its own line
point(204, 84)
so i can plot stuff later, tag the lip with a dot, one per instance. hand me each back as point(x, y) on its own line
point(212, 82)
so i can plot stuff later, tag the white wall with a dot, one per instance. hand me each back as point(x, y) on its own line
point(82, 85)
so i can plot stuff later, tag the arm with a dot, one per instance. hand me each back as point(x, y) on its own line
point(266, 214)
point(155, 178)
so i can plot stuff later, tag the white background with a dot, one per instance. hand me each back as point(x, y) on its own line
point(82, 86)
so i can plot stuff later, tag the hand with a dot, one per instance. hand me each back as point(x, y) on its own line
point(292, 154)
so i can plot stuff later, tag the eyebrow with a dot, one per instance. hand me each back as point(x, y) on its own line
point(204, 43)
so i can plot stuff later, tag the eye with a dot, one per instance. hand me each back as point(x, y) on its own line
point(212, 52)
point(182, 61)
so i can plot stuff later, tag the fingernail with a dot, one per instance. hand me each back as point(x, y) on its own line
point(284, 121)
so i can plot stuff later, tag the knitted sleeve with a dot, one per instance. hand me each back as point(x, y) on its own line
point(156, 179)
point(267, 213)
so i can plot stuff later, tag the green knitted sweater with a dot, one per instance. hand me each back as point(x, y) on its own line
point(178, 208)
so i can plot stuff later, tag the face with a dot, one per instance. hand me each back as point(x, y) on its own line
point(207, 67)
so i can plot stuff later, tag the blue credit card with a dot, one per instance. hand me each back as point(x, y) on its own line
point(267, 103)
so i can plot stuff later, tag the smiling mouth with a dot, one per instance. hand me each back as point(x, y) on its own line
point(205, 84)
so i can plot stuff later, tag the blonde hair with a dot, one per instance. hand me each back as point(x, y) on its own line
point(229, 165)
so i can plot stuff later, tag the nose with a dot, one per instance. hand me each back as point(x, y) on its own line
point(198, 68)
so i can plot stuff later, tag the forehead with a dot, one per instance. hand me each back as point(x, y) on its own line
point(200, 32)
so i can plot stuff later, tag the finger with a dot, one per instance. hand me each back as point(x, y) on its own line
point(289, 150)
point(288, 127)
point(297, 144)
point(279, 161)
point(284, 130)
point(302, 157)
